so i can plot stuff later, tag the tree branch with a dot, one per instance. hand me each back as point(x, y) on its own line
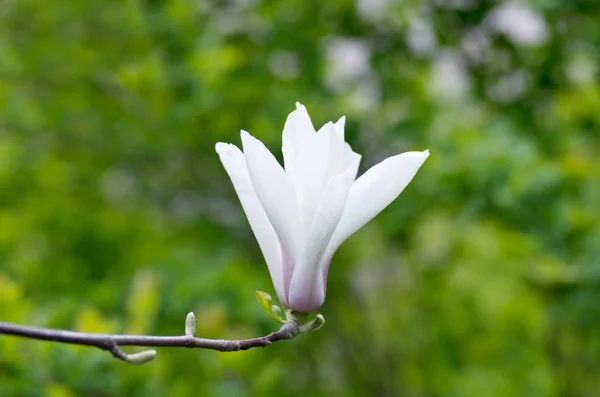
point(112, 343)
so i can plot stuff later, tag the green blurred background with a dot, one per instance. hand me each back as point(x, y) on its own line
point(116, 215)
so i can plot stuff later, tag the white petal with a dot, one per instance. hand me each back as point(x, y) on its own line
point(339, 126)
point(351, 159)
point(336, 162)
point(307, 158)
point(318, 165)
point(277, 197)
point(307, 290)
point(348, 157)
point(298, 134)
point(352, 162)
point(235, 165)
point(374, 191)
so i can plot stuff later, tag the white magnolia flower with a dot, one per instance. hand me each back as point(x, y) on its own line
point(301, 214)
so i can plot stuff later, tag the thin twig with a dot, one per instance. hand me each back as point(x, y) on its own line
point(112, 343)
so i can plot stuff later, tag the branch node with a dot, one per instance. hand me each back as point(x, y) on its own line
point(190, 341)
point(232, 346)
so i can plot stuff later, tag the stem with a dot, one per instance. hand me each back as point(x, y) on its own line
point(111, 343)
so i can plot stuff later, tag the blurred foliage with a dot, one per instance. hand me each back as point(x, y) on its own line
point(482, 279)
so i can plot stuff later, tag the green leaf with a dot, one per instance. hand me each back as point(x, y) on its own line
point(266, 302)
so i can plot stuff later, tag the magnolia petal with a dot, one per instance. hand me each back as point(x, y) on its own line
point(298, 134)
point(312, 179)
point(235, 165)
point(374, 191)
point(339, 126)
point(336, 148)
point(351, 159)
point(307, 290)
point(347, 157)
point(277, 197)
point(306, 154)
